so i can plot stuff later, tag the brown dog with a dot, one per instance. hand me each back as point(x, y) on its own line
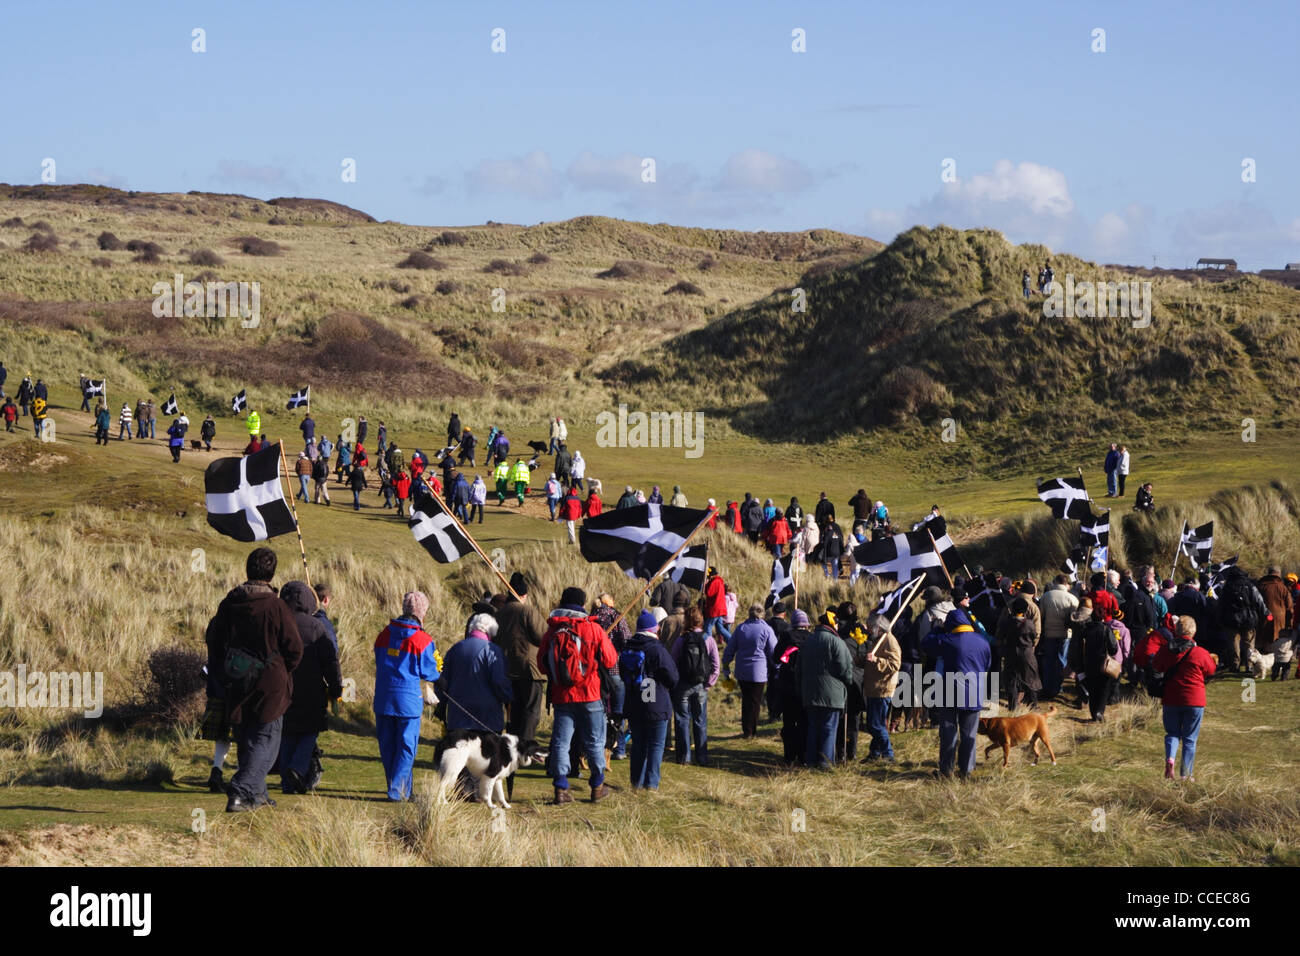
point(1008, 732)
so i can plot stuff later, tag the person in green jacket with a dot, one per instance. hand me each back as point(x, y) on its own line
point(502, 475)
point(254, 423)
point(520, 475)
point(824, 669)
point(102, 421)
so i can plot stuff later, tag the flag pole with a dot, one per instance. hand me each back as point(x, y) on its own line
point(916, 586)
point(940, 557)
point(640, 594)
point(468, 537)
point(296, 526)
point(1178, 551)
point(795, 565)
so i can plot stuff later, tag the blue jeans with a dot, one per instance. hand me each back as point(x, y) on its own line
point(832, 568)
point(1051, 664)
point(398, 738)
point(648, 737)
point(1111, 485)
point(954, 721)
point(304, 493)
point(720, 623)
point(691, 713)
point(258, 746)
point(356, 501)
point(589, 720)
point(295, 754)
point(123, 427)
point(822, 724)
point(617, 697)
point(1182, 724)
point(551, 503)
point(878, 725)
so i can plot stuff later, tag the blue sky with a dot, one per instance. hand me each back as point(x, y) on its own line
point(1120, 156)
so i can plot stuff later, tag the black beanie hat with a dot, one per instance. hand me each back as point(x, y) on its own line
point(518, 583)
point(575, 598)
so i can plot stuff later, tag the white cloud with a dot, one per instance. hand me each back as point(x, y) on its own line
point(606, 173)
point(758, 170)
point(531, 175)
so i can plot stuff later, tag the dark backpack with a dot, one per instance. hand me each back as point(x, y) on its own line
point(567, 661)
point(1140, 615)
point(696, 667)
point(241, 670)
point(1240, 615)
point(1153, 680)
point(319, 470)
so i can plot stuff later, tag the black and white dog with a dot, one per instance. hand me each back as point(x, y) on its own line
point(489, 758)
point(540, 447)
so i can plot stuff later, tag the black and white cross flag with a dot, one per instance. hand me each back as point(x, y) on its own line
point(170, 407)
point(436, 530)
point(1219, 570)
point(1066, 497)
point(1072, 562)
point(244, 497)
point(902, 557)
point(782, 578)
point(239, 402)
point(690, 567)
point(947, 550)
point(94, 387)
point(1094, 530)
point(641, 538)
point(890, 603)
point(1197, 543)
point(936, 524)
point(300, 398)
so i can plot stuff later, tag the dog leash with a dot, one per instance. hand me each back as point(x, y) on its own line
point(467, 712)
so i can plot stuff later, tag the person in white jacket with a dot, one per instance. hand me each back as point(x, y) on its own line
point(578, 470)
point(808, 539)
point(1123, 467)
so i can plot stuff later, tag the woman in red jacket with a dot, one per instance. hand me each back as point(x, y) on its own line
point(594, 504)
point(402, 482)
point(1186, 667)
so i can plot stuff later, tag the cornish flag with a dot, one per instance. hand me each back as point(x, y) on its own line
point(436, 530)
point(1196, 543)
point(1219, 570)
point(690, 567)
point(94, 387)
point(640, 539)
point(300, 398)
point(170, 407)
point(937, 525)
point(947, 550)
point(1072, 562)
point(1094, 531)
point(902, 557)
point(1066, 497)
point(782, 578)
point(239, 402)
point(891, 603)
point(244, 496)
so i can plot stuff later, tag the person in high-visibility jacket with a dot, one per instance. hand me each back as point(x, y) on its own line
point(254, 423)
point(502, 475)
point(520, 475)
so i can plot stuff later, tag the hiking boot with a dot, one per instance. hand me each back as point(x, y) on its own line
point(238, 805)
point(601, 792)
point(215, 783)
point(292, 782)
point(562, 796)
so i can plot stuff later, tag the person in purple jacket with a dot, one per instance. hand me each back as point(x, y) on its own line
point(698, 665)
point(751, 647)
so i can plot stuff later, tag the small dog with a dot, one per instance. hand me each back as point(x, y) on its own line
point(540, 447)
point(1260, 664)
point(488, 757)
point(195, 445)
point(1008, 732)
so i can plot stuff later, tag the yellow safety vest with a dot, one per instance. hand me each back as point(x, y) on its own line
point(254, 423)
point(520, 472)
point(502, 472)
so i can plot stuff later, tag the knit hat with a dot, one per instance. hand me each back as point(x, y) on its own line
point(932, 596)
point(958, 595)
point(659, 613)
point(415, 604)
point(645, 621)
point(518, 583)
point(799, 618)
point(779, 608)
point(574, 598)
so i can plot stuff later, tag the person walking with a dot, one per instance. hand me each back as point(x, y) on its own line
point(1056, 607)
point(825, 669)
point(175, 440)
point(207, 432)
point(123, 421)
point(715, 606)
point(10, 413)
point(102, 421)
point(468, 446)
point(405, 660)
point(501, 474)
point(571, 513)
point(519, 635)
point(881, 662)
point(751, 647)
point(357, 483)
point(1098, 644)
point(477, 498)
point(1184, 667)
point(572, 652)
point(519, 477)
point(1017, 636)
point(474, 678)
point(794, 722)
point(578, 469)
point(966, 660)
point(320, 476)
point(254, 646)
point(832, 545)
point(552, 491)
point(302, 468)
point(402, 488)
point(698, 666)
point(317, 682)
point(649, 677)
point(1240, 614)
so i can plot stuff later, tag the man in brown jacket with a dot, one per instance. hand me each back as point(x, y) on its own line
point(253, 646)
point(520, 626)
point(879, 678)
point(1277, 596)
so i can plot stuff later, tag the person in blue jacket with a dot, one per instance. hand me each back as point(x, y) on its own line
point(474, 677)
point(404, 656)
point(649, 676)
point(966, 661)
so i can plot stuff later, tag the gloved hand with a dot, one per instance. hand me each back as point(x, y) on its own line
point(430, 695)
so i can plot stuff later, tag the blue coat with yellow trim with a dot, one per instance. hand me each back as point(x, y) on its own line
point(404, 656)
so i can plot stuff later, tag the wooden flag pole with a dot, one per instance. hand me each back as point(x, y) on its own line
point(1177, 553)
point(296, 526)
point(940, 556)
point(794, 565)
point(899, 613)
point(640, 594)
point(469, 537)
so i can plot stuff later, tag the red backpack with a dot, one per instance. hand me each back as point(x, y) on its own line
point(570, 659)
